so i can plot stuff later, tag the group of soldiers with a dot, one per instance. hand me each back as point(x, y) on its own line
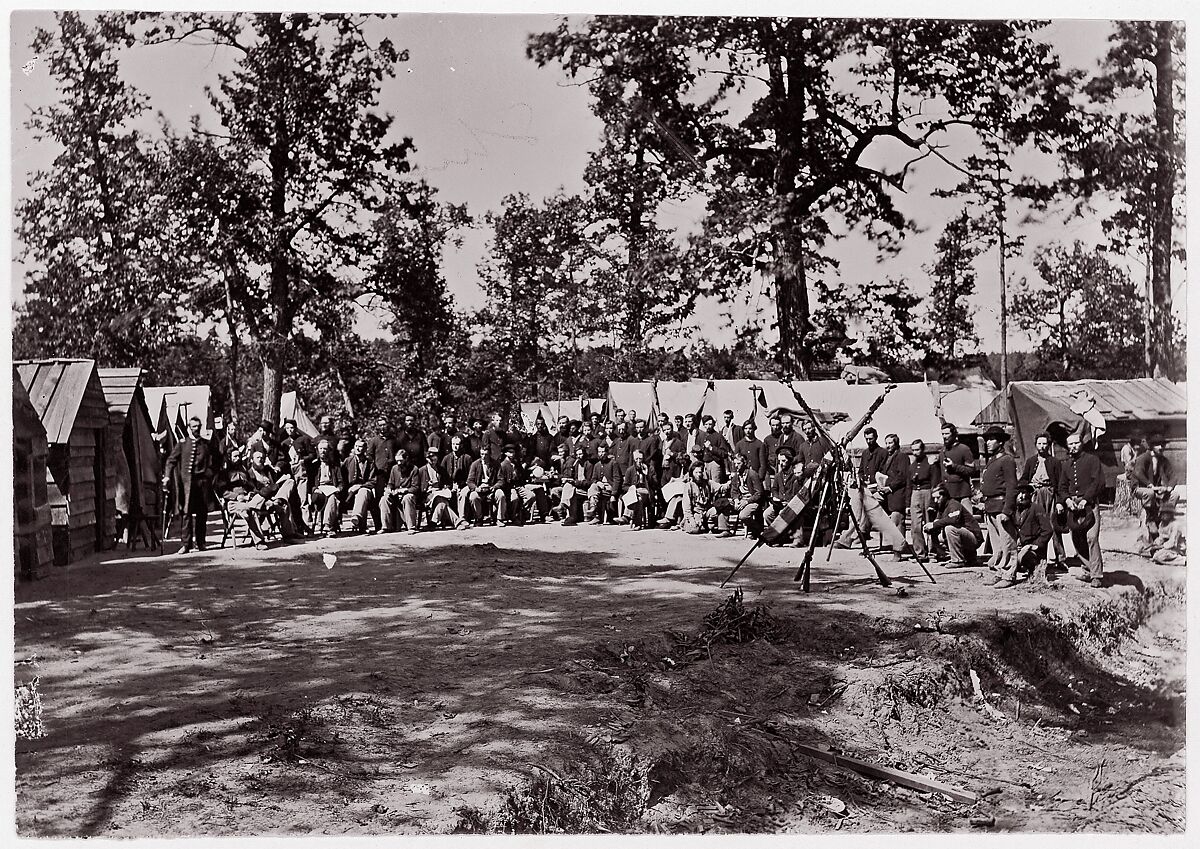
point(689, 473)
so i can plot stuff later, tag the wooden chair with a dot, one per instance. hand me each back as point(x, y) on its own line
point(234, 521)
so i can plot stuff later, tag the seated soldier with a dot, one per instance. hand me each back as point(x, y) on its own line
point(673, 489)
point(958, 525)
point(483, 491)
point(437, 493)
point(570, 497)
point(328, 485)
point(238, 496)
point(360, 492)
point(746, 493)
point(604, 487)
point(1033, 535)
point(700, 511)
point(1153, 479)
point(554, 481)
point(783, 486)
point(457, 465)
point(510, 476)
point(533, 493)
point(402, 495)
point(1169, 547)
point(641, 491)
point(274, 488)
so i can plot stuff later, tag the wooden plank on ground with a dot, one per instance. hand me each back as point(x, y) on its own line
point(905, 779)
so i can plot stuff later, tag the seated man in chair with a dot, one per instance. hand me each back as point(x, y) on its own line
point(437, 493)
point(359, 497)
point(328, 478)
point(402, 494)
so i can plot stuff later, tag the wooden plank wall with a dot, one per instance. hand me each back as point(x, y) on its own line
point(31, 530)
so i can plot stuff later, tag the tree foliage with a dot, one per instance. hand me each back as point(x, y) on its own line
point(1133, 151)
point(950, 333)
point(825, 98)
point(98, 270)
point(299, 116)
point(1082, 315)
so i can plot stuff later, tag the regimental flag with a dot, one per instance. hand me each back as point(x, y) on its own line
point(788, 515)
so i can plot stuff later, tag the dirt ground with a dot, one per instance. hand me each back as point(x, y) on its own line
point(420, 682)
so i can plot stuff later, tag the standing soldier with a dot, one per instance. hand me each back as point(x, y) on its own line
point(958, 466)
point(998, 485)
point(895, 486)
point(923, 476)
point(753, 449)
point(1042, 472)
point(1079, 504)
point(192, 466)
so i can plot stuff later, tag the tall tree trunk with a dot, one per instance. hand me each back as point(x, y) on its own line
point(635, 293)
point(235, 347)
point(274, 355)
point(1164, 193)
point(791, 283)
point(1001, 210)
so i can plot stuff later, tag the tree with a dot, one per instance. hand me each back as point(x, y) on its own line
point(406, 281)
point(550, 291)
point(948, 317)
point(1133, 150)
point(1080, 317)
point(825, 97)
point(97, 269)
point(299, 111)
point(637, 75)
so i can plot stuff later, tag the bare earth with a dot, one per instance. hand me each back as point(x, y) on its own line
point(245, 692)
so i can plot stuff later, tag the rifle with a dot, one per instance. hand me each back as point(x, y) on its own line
point(790, 514)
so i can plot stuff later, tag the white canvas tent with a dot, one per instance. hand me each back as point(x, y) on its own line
point(909, 411)
point(737, 395)
point(635, 397)
point(290, 408)
point(680, 397)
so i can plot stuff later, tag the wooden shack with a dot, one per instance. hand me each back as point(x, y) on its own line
point(134, 455)
point(32, 540)
point(69, 400)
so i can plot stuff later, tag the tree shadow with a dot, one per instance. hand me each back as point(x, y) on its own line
point(422, 660)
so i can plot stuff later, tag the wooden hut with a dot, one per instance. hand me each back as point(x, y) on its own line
point(1136, 407)
point(134, 454)
point(69, 399)
point(32, 546)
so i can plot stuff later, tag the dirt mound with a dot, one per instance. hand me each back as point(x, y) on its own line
point(711, 724)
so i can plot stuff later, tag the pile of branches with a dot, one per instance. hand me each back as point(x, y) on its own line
point(730, 623)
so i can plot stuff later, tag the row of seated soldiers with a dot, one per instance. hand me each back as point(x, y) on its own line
point(691, 476)
point(615, 471)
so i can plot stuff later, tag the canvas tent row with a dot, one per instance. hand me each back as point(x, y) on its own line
point(32, 540)
point(180, 404)
point(909, 410)
point(133, 454)
point(744, 397)
point(291, 408)
point(70, 402)
point(1108, 411)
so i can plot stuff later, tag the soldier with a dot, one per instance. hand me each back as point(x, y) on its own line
point(1079, 507)
point(998, 486)
point(192, 466)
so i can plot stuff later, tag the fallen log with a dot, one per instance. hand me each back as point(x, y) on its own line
point(896, 776)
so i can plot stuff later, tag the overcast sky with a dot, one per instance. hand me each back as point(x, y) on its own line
point(488, 122)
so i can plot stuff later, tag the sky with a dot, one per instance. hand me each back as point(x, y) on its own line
point(487, 122)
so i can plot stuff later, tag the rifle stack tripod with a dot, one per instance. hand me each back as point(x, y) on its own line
point(831, 478)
